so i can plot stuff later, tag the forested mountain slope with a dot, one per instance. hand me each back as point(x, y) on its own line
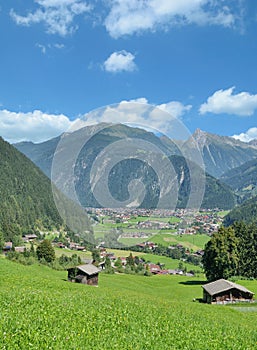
point(25, 192)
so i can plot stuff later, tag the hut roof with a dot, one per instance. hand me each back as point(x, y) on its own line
point(223, 285)
point(89, 269)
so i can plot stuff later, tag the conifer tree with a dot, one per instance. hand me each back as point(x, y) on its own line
point(45, 251)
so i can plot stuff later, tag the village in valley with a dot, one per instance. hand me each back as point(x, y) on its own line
point(151, 235)
point(160, 241)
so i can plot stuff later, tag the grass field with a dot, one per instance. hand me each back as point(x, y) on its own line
point(193, 242)
point(223, 213)
point(133, 241)
point(40, 310)
point(172, 219)
point(168, 262)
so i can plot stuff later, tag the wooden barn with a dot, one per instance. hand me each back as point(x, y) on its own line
point(86, 274)
point(223, 291)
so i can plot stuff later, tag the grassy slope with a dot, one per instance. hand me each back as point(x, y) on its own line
point(40, 310)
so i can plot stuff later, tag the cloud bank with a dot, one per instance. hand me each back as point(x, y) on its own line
point(34, 126)
point(37, 126)
point(128, 17)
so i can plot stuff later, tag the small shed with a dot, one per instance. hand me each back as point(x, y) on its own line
point(86, 274)
point(223, 291)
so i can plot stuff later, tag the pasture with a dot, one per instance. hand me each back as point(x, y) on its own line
point(194, 242)
point(39, 310)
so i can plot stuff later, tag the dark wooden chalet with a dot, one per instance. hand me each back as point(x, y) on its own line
point(223, 291)
point(86, 274)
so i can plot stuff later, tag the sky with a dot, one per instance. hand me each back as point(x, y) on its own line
point(62, 59)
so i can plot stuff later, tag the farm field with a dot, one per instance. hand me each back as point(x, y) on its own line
point(168, 262)
point(194, 242)
point(40, 310)
point(172, 219)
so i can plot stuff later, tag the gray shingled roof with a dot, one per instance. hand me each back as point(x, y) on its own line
point(89, 269)
point(222, 285)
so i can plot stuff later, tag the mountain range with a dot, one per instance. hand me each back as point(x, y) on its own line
point(216, 194)
point(27, 195)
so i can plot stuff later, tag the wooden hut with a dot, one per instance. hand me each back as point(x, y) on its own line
point(223, 291)
point(86, 274)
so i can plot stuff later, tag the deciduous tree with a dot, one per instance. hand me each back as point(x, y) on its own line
point(221, 256)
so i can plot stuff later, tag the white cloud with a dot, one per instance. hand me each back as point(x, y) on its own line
point(134, 16)
point(249, 135)
point(223, 101)
point(120, 61)
point(57, 15)
point(34, 126)
point(37, 126)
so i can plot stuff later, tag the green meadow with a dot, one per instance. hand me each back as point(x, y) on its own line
point(39, 309)
point(194, 242)
point(169, 263)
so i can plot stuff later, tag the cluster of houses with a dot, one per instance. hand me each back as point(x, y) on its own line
point(8, 246)
point(148, 244)
point(29, 238)
point(190, 221)
point(136, 234)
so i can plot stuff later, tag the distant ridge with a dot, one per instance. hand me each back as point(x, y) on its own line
point(221, 153)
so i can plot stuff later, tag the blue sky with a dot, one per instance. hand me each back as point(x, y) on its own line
point(61, 59)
